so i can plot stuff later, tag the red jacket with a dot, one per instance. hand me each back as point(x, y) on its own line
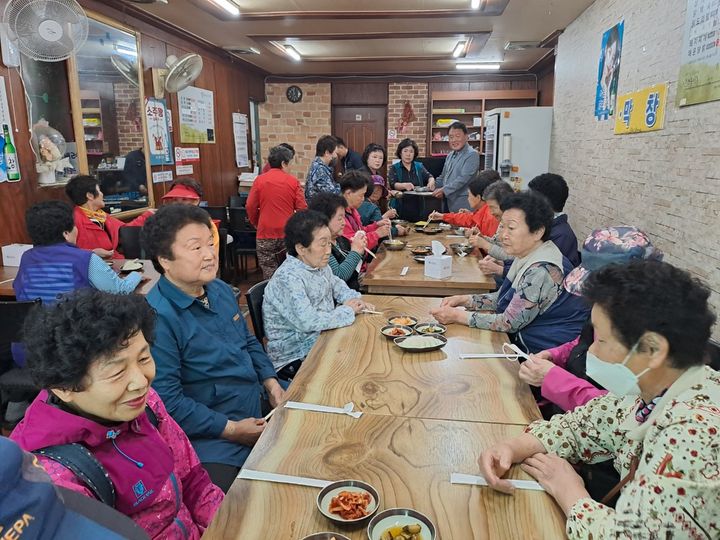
point(92, 236)
point(274, 197)
point(480, 218)
point(353, 224)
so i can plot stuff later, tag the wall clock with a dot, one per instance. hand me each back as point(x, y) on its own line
point(294, 94)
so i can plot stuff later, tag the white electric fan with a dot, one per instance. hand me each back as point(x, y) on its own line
point(182, 71)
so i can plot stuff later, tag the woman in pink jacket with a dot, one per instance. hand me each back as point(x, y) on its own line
point(560, 372)
point(353, 186)
point(97, 426)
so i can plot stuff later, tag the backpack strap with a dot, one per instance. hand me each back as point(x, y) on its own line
point(86, 467)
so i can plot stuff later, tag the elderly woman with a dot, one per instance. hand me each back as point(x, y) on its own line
point(370, 208)
point(99, 428)
point(531, 305)
point(407, 174)
point(97, 231)
point(304, 297)
point(481, 217)
point(346, 257)
point(659, 422)
point(353, 187)
point(561, 372)
point(211, 371)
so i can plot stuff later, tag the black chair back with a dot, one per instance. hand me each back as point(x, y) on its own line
point(255, 300)
point(12, 318)
point(713, 354)
point(239, 221)
point(130, 242)
point(218, 212)
point(238, 201)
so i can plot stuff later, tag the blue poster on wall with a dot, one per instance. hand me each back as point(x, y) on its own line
point(609, 71)
point(159, 141)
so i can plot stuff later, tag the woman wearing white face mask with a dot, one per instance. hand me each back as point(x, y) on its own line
point(659, 422)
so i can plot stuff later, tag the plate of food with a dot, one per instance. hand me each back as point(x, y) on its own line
point(421, 250)
point(326, 536)
point(462, 248)
point(424, 343)
point(391, 331)
point(430, 328)
point(401, 524)
point(394, 245)
point(348, 501)
point(402, 320)
point(433, 229)
point(445, 226)
point(131, 266)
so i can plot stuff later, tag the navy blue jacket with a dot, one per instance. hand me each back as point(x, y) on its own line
point(210, 368)
point(352, 161)
point(564, 238)
point(561, 322)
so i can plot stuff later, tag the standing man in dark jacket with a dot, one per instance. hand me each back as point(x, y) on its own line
point(347, 160)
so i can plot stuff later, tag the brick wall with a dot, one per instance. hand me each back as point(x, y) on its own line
point(666, 182)
point(129, 123)
point(300, 124)
point(417, 95)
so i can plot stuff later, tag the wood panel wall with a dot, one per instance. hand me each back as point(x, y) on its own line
point(233, 81)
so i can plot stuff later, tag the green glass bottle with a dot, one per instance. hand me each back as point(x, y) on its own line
point(11, 161)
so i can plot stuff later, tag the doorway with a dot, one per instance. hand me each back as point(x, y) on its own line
point(360, 125)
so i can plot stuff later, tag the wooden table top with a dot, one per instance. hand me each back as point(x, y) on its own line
point(383, 275)
point(408, 460)
point(358, 364)
point(8, 273)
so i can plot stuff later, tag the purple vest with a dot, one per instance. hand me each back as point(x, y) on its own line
point(48, 271)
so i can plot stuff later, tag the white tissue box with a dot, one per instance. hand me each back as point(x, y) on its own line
point(12, 253)
point(438, 266)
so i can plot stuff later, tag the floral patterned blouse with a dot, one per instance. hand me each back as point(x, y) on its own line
point(675, 492)
point(539, 287)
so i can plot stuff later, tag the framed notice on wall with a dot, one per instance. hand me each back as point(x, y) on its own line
point(159, 141)
point(699, 77)
point(197, 115)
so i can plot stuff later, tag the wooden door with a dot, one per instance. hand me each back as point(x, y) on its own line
point(360, 126)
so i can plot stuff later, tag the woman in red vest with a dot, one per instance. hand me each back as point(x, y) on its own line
point(97, 230)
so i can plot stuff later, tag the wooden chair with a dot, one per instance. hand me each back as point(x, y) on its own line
point(254, 301)
point(244, 238)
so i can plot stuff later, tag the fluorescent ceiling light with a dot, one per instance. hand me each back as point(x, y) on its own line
point(475, 4)
point(459, 48)
point(292, 53)
point(125, 49)
point(477, 66)
point(228, 6)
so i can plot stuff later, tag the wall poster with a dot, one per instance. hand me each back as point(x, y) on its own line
point(642, 110)
point(609, 71)
point(197, 115)
point(159, 140)
point(699, 77)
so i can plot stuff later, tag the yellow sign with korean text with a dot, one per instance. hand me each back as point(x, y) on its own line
point(642, 110)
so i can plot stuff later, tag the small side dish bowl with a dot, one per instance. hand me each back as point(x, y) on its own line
point(403, 320)
point(326, 536)
point(391, 331)
point(394, 519)
point(430, 329)
point(329, 492)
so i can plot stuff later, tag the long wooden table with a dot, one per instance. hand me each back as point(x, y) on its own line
point(358, 364)
point(383, 275)
point(8, 273)
point(408, 460)
point(425, 416)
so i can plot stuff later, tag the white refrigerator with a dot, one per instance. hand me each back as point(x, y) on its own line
point(517, 143)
